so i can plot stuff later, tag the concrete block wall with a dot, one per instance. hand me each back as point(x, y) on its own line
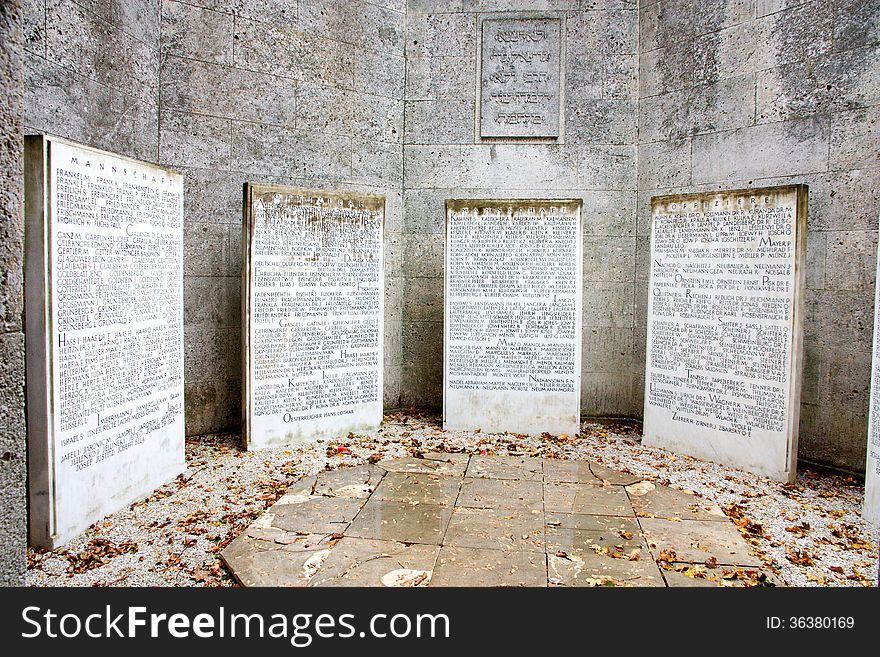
point(594, 161)
point(13, 451)
point(741, 93)
point(307, 94)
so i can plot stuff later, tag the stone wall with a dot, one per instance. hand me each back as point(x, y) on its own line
point(306, 94)
point(13, 451)
point(741, 93)
point(594, 160)
point(380, 96)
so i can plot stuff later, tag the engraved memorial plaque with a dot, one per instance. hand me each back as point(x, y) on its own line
point(512, 332)
point(724, 327)
point(104, 307)
point(871, 510)
point(520, 86)
point(312, 298)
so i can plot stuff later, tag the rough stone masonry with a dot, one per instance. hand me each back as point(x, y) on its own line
point(382, 97)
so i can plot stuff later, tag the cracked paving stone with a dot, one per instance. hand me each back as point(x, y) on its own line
point(497, 529)
point(505, 467)
point(451, 465)
point(586, 499)
point(571, 472)
point(401, 521)
point(261, 563)
point(418, 487)
point(366, 562)
point(463, 566)
point(614, 477)
point(592, 569)
point(651, 501)
point(695, 541)
point(358, 482)
point(317, 515)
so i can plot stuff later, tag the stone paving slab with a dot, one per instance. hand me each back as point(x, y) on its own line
point(698, 541)
point(366, 562)
point(460, 520)
point(505, 467)
point(571, 472)
point(497, 529)
point(463, 566)
point(418, 487)
point(401, 521)
point(587, 499)
point(482, 493)
point(652, 501)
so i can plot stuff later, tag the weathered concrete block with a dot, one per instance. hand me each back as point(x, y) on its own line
point(423, 255)
point(425, 211)
point(608, 212)
point(600, 121)
point(359, 23)
point(850, 260)
point(205, 249)
point(422, 299)
point(439, 122)
point(441, 35)
point(376, 163)
point(196, 33)
point(607, 167)
point(432, 166)
point(193, 86)
point(450, 77)
point(610, 31)
point(422, 344)
point(727, 104)
point(664, 164)
point(285, 50)
point(520, 166)
point(609, 258)
point(194, 140)
point(855, 139)
point(380, 74)
point(762, 151)
point(212, 301)
point(211, 354)
point(608, 304)
point(284, 152)
point(80, 41)
point(608, 349)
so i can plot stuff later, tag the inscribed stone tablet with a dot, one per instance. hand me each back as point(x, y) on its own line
point(872, 465)
point(512, 348)
point(104, 304)
point(520, 77)
point(313, 296)
point(724, 327)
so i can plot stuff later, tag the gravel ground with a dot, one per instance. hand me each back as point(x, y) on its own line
point(809, 533)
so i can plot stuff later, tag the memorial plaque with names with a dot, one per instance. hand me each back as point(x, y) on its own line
point(512, 332)
point(104, 307)
point(521, 77)
point(871, 510)
point(724, 337)
point(312, 298)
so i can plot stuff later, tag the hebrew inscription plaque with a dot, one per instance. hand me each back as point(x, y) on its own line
point(313, 296)
point(104, 304)
point(512, 348)
point(520, 86)
point(724, 327)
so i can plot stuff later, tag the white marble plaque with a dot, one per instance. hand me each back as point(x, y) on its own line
point(104, 304)
point(313, 298)
point(871, 509)
point(724, 327)
point(512, 331)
